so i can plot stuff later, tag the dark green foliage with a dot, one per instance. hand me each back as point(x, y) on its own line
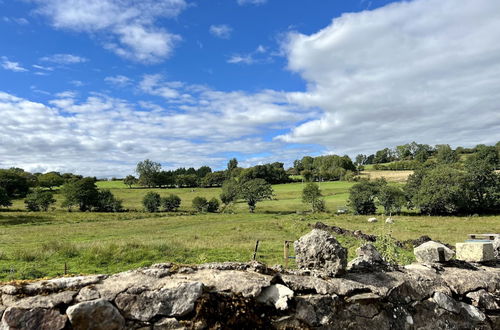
point(170, 203)
point(50, 180)
point(213, 205)
point(130, 180)
point(385, 155)
point(4, 198)
point(311, 194)
point(230, 191)
point(403, 165)
point(232, 165)
point(253, 191)
point(187, 180)
point(15, 182)
point(362, 196)
point(392, 198)
point(148, 172)
point(446, 155)
point(39, 200)
point(200, 204)
point(482, 185)
point(273, 173)
point(329, 168)
point(151, 201)
point(82, 193)
point(107, 202)
point(214, 179)
point(203, 171)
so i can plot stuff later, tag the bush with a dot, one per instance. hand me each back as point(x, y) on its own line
point(171, 203)
point(311, 194)
point(151, 202)
point(391, 198)
point(4, 198)
point(229, 191)
point(39, 200)
point(107, 202)
point(82, 192)
point(362, 196)
point(200, 204)
point(213, 205)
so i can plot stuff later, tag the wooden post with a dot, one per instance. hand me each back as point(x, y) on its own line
point(286, 251)
point(65, 268)
point(255, 250)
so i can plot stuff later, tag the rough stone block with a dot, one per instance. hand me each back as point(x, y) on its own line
point(475, 251)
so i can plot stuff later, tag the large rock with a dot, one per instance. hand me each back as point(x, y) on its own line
point(95, 315)
point(432, 252)
point(276, 295)
point(475, 251)
point(144, 306)
point(320, 253)
point(32, 319)
point(496, 247)
point(483, 299)
point(369, 259)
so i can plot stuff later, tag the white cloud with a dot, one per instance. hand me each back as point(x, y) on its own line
point(44, 68)
point(118, 80)
point(259, 55)
point(127, 26)
point(222, 31)
point(64, 59)
point(11, 66)
point(245, 59)
point(425, 70)
point(251, 2)
point(17, 20)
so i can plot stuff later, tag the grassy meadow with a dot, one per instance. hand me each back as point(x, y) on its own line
point(38, 244)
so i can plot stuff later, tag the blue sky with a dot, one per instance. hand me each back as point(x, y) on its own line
point(95, 86)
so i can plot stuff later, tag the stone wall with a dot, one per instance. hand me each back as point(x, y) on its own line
point(236, 295)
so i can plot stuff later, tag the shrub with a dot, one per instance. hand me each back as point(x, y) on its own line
point(39, 200)
point(151, 202)
point(213, 205)
point(229, 191)
point(82, 192)
point(200, 204)
point(107, 202)
point(391, 198)
point(4, 198)
point(311, 194)
point(362, 196)
point(171, 203)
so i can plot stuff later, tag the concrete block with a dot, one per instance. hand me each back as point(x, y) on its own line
point(475, 251)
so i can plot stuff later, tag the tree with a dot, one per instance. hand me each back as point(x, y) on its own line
point(231, 165)
point(151, 201)
point(130, 180)
point(230, 189)
point(446, 155)
point(362, 196)
point(214, 179)
point(39, 200)
point(213, 205)
point(361, 159)
point(82, 193)
point(50, 180)
point(107, 202)
point(203, 171)
point(391, 198)
point(4, 198)
point(200, 204)
point(255, 190)
point(14, 182)
point(311, 194)
point(482, 185)
point(148, 173)
point(171, 203)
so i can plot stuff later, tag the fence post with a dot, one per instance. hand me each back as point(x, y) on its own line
point(255, 250)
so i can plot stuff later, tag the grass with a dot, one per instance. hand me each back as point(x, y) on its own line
point(38, 244)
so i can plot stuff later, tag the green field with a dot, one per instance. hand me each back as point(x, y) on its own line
point(38, 244)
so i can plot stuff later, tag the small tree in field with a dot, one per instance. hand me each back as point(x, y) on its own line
point(391, 198)
point(4, 198)
point(362, 196)
point(107, 202)
point(200, 204)
point(171, 203)
point(130, 180)
point(229, 192)
point(253, 191)
point(151, 202)
point(39, 200)
point(311, 194)
point(82, 193)
point(213, 205)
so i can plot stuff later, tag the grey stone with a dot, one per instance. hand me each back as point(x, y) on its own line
point(64, 283)
point(276, 295)
point(372, 220)
point(369, 259)
point(177, 301)
point(474, 313)
point(168, 324)
point(496, 247)
point(475, 251)
point(95, 315)
point(88, 293)
point(446, 302)
point(432, 252)
point(320, 252)
point(32, 319)
point(48, 301)
point(483, 300)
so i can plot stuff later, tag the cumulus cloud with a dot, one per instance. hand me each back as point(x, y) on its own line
point(222, 31)
point(425, 70)
point(105, 136)
point(11, 66)
point(64, 59)
point(118, 80)
point(251, 2)
point(127, 26)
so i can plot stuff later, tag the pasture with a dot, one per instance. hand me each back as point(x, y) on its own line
point(38, 244)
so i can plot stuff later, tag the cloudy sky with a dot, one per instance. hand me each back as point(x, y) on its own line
point(94, 86)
